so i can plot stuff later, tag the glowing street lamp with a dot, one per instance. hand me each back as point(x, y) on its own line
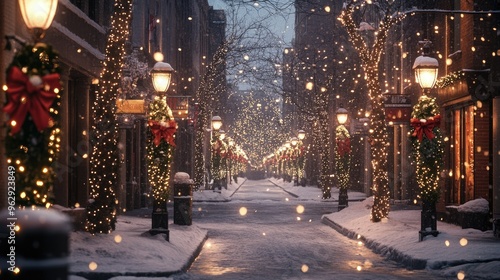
point(38, 15)
point(342, 116)
point(301, 135)
point(161, 74)
point(426, 68)
point(216, 123)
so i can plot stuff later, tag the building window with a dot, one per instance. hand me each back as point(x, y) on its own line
point(461, 183)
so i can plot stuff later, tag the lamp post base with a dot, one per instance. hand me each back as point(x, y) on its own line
point(428, 220)
point(424, 233)
point(343, 199)
point(159, 219)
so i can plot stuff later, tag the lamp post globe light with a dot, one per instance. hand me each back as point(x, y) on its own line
point(301, 134)
point(38, 15)
point(342, 157)
point(158, 158)
point(342, 116)
point(216, 157)
point(427, 147)
point(426, 68)
point(161, 75)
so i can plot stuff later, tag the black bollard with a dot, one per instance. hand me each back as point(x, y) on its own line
point(34, 244)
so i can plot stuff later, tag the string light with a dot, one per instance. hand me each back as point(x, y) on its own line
point(370, 57)
point(342, 157)
point(160, 156)
point(208, 97)
point(428, 147)
point(101, 210)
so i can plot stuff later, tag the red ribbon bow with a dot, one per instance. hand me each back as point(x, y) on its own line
point(163, 132)
point(426, 127)
point(344, 146)
point(24, 97)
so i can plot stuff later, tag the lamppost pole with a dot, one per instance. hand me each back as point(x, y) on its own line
point(343, 157)
point(216, 146)
point(427, 147)
point(160, 139)
point(301, 135)
point(294, 142)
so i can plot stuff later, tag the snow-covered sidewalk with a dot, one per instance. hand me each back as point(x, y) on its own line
point(468, 252)
point(131, 251)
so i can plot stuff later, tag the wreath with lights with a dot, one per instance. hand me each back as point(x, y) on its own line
point(33, 91)
point(161, 141)
point(343, 156)
point(428, 148)
point(219, 152)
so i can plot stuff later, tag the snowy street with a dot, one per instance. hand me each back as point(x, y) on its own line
point(270, 229)
point(266, 233)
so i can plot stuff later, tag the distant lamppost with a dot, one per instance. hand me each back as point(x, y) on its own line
point(301, 134)
point(159, 145)
point(342, 157)
point(427, 142)
point(216, 157)
point(230, 154)
point(295, 156)
point(38, 15)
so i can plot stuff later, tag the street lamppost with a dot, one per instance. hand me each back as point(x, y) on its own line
point(231, 153)
point(427, 141)
point(295, 156)
point(38, 15)
point(161, 138)
point(342, 157)
point(216, 157)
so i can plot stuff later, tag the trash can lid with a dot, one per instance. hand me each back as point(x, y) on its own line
point(182, 178)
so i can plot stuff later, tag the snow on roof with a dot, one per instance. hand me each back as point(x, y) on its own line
point(99, 55)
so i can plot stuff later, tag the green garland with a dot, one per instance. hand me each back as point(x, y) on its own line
point(159, 157)
point(450, 79)
point(342, 156)
point(428, 148)
point(32, 152)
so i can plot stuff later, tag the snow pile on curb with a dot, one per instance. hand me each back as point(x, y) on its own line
point(130, 250)
point(397, 238)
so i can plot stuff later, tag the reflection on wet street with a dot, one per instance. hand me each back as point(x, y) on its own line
point(280, 237)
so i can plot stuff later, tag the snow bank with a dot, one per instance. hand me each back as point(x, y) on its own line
point(479, 205)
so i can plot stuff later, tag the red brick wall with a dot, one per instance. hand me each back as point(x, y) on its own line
point(466, 34)
point(481, 156)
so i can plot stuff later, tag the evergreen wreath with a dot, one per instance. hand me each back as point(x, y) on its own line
point(343, 156)
point(33, 140)
point(428, 148)
point(162, 128)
